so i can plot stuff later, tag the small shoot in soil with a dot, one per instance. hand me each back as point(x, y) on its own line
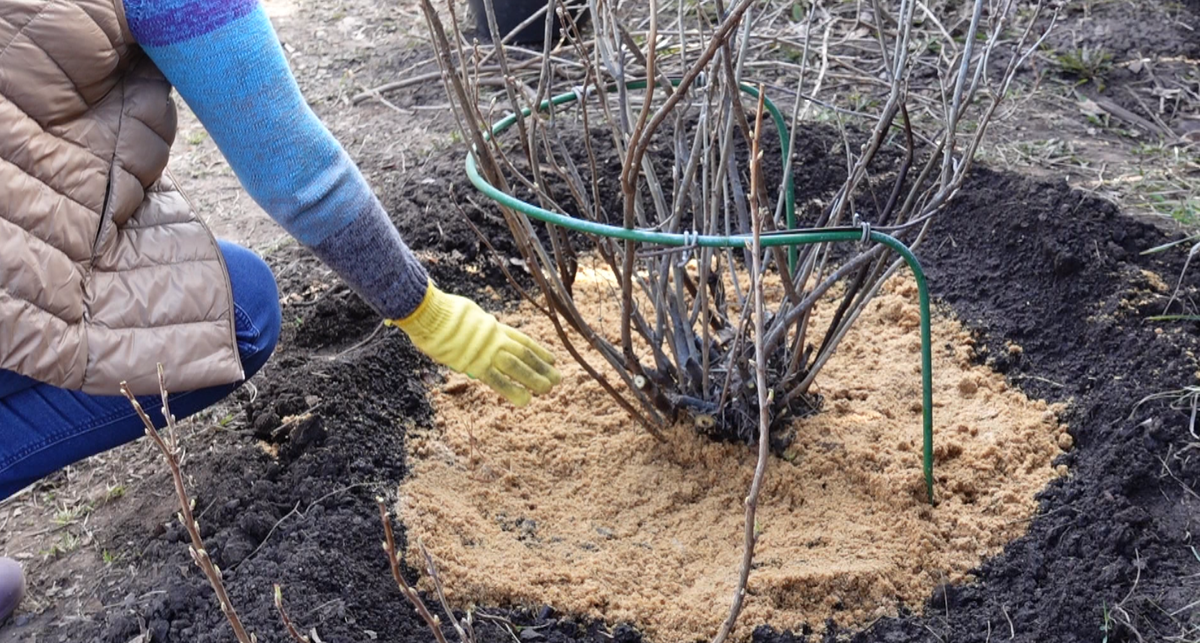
point(1087, 64)
point(114, 493)
point(287, 622)
point(66, 543)
point(1106, 624)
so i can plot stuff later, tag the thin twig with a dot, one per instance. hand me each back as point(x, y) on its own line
point(764, 401)
point(466, 632)
point(410, 593)
point(287, 622)
point(186, 504)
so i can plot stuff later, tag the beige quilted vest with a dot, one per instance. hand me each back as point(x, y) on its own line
point(105, 271)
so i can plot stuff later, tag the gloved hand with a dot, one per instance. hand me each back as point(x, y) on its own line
point(454, 331)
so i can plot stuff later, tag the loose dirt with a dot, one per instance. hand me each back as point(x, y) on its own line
point(570, 503)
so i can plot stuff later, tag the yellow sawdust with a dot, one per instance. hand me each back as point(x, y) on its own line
point(570, 503)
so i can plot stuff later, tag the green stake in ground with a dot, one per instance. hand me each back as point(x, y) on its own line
point(790, 238)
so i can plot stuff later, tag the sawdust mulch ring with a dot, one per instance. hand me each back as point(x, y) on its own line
point(568, 504)
point(571, 503)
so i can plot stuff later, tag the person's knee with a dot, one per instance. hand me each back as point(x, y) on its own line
point(256, 305)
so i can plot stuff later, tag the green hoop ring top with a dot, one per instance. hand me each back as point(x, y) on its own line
point(790, 238)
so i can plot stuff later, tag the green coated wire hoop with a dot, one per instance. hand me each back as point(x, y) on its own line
point(790, 238)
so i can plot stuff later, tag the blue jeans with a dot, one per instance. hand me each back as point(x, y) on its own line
point(44, 428)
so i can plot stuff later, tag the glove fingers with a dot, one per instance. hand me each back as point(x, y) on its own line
point(499, 382)
point(539, 366)
point(524, 340)
point(520, 371)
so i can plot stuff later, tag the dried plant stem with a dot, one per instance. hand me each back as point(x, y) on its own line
point(287, 622)
point(760, 366)
point(730, 22)
point(199, 553)
point(631, 169)
point(532, 251)
point(466, 632)
point(410, 593)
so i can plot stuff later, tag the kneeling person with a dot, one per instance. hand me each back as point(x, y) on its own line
point(105, 270)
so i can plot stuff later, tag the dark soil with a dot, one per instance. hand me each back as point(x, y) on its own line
point(1059, 274)
point(1023, 262)
point(1162, 35)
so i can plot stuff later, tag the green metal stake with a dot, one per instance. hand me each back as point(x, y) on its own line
point(791, 238)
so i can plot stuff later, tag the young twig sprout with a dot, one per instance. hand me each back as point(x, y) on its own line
point(465, 630)
point(199, 554)
point(287, 622)
point(760, 369)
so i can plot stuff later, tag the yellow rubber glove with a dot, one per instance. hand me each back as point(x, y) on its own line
point(455, 332)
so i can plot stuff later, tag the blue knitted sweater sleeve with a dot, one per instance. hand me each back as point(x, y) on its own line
point(224, 59)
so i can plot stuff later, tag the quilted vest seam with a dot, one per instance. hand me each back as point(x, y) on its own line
point(74, 88)
point(31, 304)
point(126, 271)
point(8, 45)
point(148, 326)
point(52, 189)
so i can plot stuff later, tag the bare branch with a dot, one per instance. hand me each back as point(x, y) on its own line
point(186, 504)
point(410, 593)
point(764, 398)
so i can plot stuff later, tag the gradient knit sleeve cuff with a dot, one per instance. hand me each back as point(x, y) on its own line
point(224, 58)
point(372, 258)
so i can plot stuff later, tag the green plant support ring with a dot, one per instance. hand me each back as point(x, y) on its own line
point(790, 238)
